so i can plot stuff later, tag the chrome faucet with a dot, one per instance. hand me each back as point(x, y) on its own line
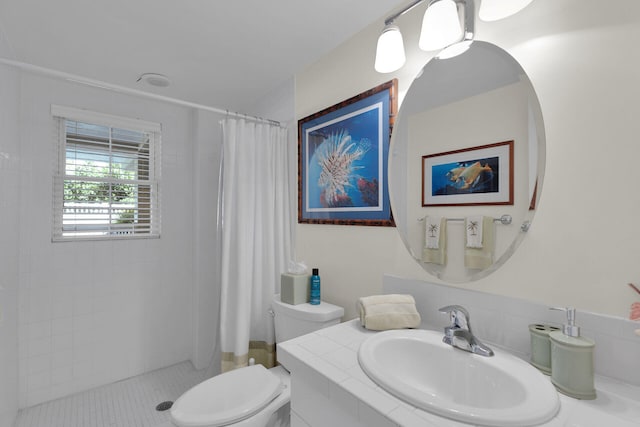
point(458, 334)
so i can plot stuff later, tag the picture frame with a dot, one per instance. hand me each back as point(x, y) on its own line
point(474, 176)
point(343, 153)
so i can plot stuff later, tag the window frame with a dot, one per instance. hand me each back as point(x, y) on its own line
point(151, 197)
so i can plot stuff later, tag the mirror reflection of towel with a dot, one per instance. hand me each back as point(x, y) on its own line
point(432, 231)
point(480, 257)
point(473, 226)
point(437, 254)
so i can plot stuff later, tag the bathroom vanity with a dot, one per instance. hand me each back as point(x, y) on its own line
point(329, 388)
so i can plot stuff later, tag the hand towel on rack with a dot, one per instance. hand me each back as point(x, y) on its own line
point(480, 257)
point(435, 248)
point(473, 226)
point(383, 312)
point(432, 226)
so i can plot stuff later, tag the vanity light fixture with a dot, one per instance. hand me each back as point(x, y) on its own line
point(441, 29)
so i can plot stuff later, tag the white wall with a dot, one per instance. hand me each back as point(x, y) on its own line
point(95, 312)
point(9, 253)
point(584, 245)
point(277, 105)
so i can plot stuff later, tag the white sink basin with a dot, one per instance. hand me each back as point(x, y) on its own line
point(417, 367)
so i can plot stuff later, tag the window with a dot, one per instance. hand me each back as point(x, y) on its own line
point(107, 180)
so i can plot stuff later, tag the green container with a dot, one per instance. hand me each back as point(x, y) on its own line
point(572, 365)
point(541, 347)
point(294, 288)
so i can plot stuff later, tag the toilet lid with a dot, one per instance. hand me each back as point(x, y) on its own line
point(227, 398)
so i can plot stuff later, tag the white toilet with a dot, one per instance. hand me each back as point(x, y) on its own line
point(253, 396)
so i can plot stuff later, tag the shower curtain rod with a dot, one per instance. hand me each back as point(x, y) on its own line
point(128, 91)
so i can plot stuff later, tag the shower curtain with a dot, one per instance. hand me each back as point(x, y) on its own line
point(257, 238)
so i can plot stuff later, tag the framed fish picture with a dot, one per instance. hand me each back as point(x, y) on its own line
point(343, 153)
point(481, 175)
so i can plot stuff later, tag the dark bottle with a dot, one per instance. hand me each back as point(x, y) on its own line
point(315, 288)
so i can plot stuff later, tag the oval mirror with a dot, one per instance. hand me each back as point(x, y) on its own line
point(466, 163)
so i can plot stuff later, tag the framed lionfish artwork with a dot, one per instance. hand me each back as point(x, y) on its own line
point(480, 175)
point(342, 160)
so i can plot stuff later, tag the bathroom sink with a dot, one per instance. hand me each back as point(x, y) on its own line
point(416, 366)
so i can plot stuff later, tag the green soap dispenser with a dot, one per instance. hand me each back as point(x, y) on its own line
point(572, 359)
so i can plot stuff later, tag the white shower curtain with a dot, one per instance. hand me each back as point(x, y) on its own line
point(256, 236)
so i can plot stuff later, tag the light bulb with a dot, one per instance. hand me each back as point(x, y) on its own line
point(390, 50)
point(440, 26)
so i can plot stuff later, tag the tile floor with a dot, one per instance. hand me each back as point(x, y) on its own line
point(127, 403)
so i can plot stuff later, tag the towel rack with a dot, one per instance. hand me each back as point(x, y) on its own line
point(504, 219)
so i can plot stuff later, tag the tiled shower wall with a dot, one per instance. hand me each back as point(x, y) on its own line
point(95, 312)
point(9, 200)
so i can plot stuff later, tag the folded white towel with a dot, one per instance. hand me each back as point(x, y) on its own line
point(432, 231)
point(383, 312)
point(473, 225)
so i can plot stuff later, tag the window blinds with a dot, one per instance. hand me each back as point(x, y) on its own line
point(107, 181)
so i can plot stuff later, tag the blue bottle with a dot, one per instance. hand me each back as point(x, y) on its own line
point(314, 294)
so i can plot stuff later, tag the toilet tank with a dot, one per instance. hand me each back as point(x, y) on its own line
point(291, 321)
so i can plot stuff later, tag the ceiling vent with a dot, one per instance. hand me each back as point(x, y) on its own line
point(154, 79)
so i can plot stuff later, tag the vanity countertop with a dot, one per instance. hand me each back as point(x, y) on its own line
point(332, 354)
